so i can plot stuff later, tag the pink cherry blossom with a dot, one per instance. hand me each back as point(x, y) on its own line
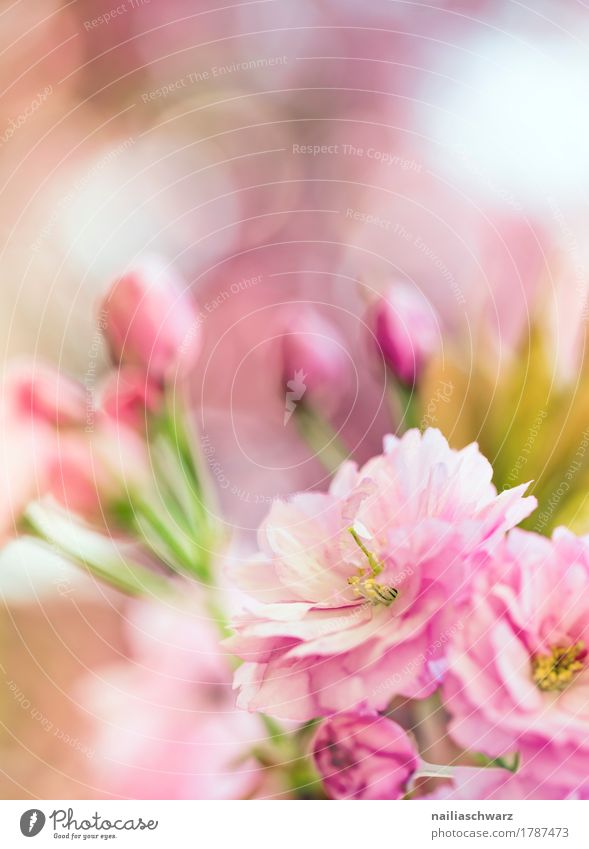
point(54, 442)
point(23, 470)
point(34, 400)
point(364, 756)
point(165, 722)
point(354, 589)
point(491, 783)
point(40, 392)
point(518, 677)
point(89, 470)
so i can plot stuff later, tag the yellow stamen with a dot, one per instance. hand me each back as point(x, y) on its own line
point(364, 585)
point(375, 565)
point(555, 670)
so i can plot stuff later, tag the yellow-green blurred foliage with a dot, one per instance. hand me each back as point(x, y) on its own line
point(532, 424)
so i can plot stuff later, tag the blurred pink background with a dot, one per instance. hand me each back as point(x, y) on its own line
point(275, 152)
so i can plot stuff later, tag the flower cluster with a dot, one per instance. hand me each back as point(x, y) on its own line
point(395, 636)
point(352, 590)
point(354, 586)
point(518, 677)
point(408, 578)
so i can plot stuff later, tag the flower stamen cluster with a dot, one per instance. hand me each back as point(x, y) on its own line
point(555, 671)
point(364, 584)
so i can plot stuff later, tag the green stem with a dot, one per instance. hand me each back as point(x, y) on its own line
point(499, 762)
point(274, 729)
point(186, 466)
point(91, 551)
point(406, 396)
point(321, 438)
point(178, 558)
point(176, 427)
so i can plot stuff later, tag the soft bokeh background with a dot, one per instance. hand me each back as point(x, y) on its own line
point(275, 152)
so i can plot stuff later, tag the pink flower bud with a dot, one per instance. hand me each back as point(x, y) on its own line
point(150, 321)
point(90, 470)
point(35, 400)
point(128, 396)
point(36, 392)
point(364, 756)
point(313, 353)
point(53, 441)
point(406, 330)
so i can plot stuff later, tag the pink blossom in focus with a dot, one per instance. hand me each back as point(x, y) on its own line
point(150, 321)
point(324, 632)
point(406, 330)
point(518, 677)
point(166, 723)
point(364, 756)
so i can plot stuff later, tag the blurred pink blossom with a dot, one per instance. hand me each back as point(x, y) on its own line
point(23, 475)
point(313, 346)
point(69, 449)
point(128, 396)
point(90, 470)
point(166, 724)
point(36, 391)
point(490, 783)
point(34, 399)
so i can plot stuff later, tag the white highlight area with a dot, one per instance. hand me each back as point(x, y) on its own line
point(514, 118)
